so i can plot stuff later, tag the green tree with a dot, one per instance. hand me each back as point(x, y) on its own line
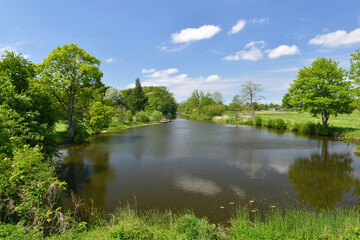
point(322, 89)
point(235, 105)
point(100, 116)
point(354, 72)
point(287, 101)
point(115, 96)
point(70, 74)
point(206, 100)
point(160, 99)
point(19, 70)
point(218, 98)
point(250, 92)
point(139, 97)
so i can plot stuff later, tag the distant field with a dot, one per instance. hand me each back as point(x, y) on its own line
point(349, 124)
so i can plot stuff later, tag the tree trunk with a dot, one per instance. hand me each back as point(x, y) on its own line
point(252, 112)
point(324, 118)
point(71, 122)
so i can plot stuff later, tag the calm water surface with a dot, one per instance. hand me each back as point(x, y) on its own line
point(203, 166)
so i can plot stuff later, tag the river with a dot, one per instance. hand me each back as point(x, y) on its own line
point(211, 169)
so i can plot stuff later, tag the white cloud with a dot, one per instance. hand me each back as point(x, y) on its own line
point(148, 70)
point(253, 54)
point(195, 34)
point(336, 39)
point(173, 49)
point(164, 73)
point(238, 26)
point(283, 50)
point(110, 60)
point(213, 78)
point(261, 20)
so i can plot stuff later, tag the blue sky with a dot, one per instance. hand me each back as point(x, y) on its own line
point(210, 45)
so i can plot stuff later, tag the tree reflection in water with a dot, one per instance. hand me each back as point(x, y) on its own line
point(323, 179)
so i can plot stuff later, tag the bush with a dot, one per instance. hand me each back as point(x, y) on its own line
point(29, 190)
point(141, 117)
point(258, 121)
point(279, 124)
point(194, 228)
point(213, 110)
point(269, 123)
point(309, 128)
point(156, 116)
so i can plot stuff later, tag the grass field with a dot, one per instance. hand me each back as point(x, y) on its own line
point(349, 124)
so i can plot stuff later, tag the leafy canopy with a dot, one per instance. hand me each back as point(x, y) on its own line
point(322, 89)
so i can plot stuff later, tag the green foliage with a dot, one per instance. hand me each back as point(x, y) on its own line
point(129, 116)
point(279, 123)
point(115, 96)
point(18, 69)
point(287, 101)
point(70, 75)
point(142, 117)
point(207, 100)
point(81, 132)
point(160, 99)
point(354, 72)
point(258, 121)
point(192, 227)
point(140, 99)
point(28, 188)
point(213, 110)
point(235, 104)
point(100, 116)
point(15, 232)
point(156, 116)
point(309, 128)
point(323, 90)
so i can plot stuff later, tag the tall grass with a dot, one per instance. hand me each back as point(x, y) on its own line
point(297, 224)
point(127, 223)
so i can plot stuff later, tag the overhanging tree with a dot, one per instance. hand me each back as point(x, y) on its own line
point(69, 74)
point(323, 90)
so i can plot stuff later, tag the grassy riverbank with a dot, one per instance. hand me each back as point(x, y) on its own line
point(344, 124)
point(61, 128)
point(126, 223)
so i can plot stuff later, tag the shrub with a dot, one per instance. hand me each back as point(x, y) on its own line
point(30, 191)
point(141, 117)
point(269, 123)
point(279, 123)
point(258, 121)
point(213, 110)
point(156, 116)
point(309, 128)
point(297, 127)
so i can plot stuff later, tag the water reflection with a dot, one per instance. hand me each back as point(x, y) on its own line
point(323, 178)
point(90, 173)
point(197, 185)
